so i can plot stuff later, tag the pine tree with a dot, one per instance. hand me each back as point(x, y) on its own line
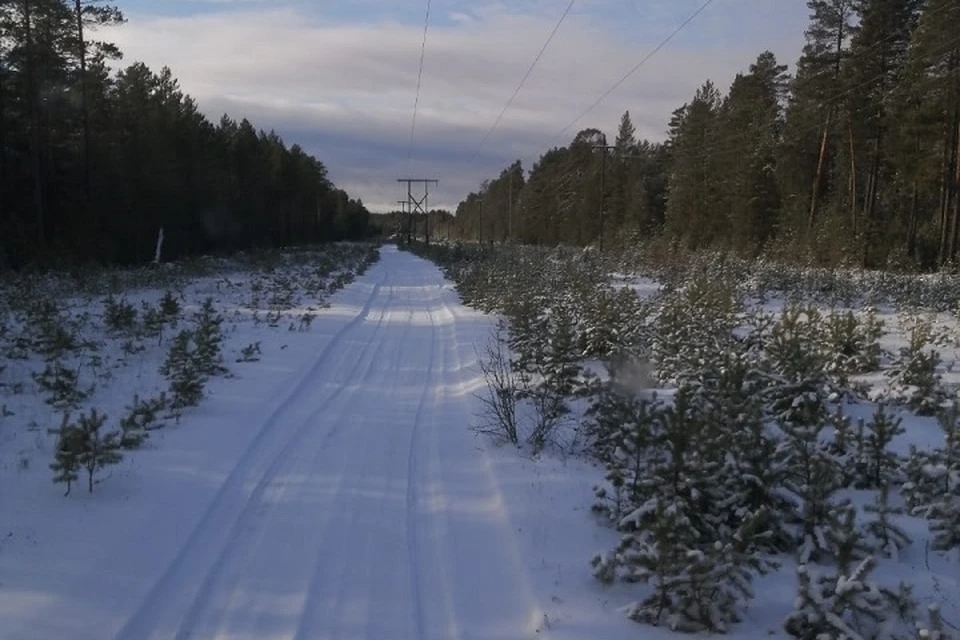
point(99, 449)
point(843, 606)
point(889, 537)
point(66, 464)
point(208, 338)
point(944, 511)
point(882, 465)
point(749, 130)
point(812, 476)
point(181, 369)
point(693, 183)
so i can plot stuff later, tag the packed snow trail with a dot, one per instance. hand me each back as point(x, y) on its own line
point(362, 507)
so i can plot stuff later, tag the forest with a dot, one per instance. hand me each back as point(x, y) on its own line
point(95, 161)
point(852, 159)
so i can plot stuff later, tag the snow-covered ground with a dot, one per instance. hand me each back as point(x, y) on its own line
point(330, 490)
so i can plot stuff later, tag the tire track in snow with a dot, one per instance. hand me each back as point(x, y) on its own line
point(230, 552)
point(169, 587)
point(537, 622)
point(413, 546)
point(306, 628)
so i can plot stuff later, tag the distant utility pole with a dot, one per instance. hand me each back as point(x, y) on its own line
point(603, 190)
point(510, 209)
point(603, 174)
point(417, 205)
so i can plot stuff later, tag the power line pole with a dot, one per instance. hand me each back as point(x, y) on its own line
point(418, 204)
point(603, 191)
point(603, 175)
point(510, 209)
point(480, 225)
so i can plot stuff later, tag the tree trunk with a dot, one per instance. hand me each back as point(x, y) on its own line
point(815, 196)
point(853, 182)
point(912, 223)
point(84, 103)
point(34, 121)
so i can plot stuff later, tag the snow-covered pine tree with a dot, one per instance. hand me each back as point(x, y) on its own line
point(847, 544)
point(882, 531)
point(925, 479)
point(747, 478)
point(882, 465)
point(208, 338)
point(812, 476)
point(99, 449)
point(621, 429)
point(944, 512)
point(933, 628)
point(180, 368)
point(844, 606)
point(66, 463)
point(913, 374)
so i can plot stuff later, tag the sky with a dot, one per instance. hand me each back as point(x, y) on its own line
point(339, 78)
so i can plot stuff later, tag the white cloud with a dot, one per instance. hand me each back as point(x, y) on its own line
point(346, 91)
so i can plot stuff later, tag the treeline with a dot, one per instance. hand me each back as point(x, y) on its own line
point(854, 159)
point(94, 163)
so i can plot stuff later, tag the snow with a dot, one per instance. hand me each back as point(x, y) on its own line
point(334, 490)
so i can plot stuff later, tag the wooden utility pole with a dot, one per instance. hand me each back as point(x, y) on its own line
point(418, 204)
point(510, 208)
point(603, 190)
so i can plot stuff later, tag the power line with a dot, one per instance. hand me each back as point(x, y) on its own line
point(635, 68)
point(523, 81)
point(416, 102)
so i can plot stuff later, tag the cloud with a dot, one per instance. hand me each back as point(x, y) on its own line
point(344, 89)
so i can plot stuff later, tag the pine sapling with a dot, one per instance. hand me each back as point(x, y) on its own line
point(888, 536)
point(180, 368)
point(882, 464)
point(208, 338)
point(66, 464)
point(99, 449)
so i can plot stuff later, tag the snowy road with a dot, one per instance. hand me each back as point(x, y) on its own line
point(361, 507)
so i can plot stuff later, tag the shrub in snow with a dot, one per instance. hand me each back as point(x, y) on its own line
point(499, 402)
point(694, 589)
point(812, 476)
point(933, 628)
point(141, 416)
point(183, 373)
point(881, 466)
point(250, 353)
point(62, 384)
point(846, 606)
point(933, 483)
point(913, 375)
point(169, 308)
point(84, 446)
point(668, 477)
point(851, 345)
point(791, 345)
point(731, 400)
point(695, 323)
point(119, 315)
point(208, 338)
point(621, 428)
point(883, 532)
